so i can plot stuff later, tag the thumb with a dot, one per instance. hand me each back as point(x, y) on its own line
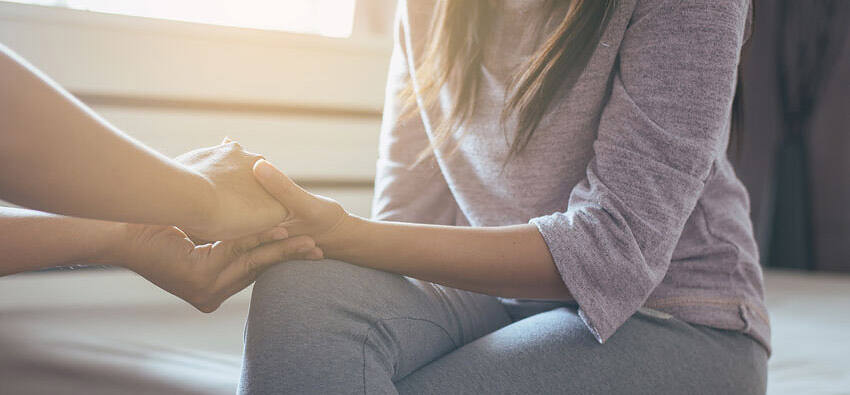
point(286, 191)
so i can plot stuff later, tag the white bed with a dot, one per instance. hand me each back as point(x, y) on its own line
point(141, 340)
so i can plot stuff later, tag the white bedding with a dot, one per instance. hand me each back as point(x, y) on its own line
point(142, 341)
point(810, 317)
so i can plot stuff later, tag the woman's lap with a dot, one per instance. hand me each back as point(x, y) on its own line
point(331, 327)
point(552, 352)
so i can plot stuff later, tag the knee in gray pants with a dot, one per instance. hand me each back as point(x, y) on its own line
point(332, 327)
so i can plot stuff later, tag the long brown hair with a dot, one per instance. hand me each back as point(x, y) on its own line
point(453, 55)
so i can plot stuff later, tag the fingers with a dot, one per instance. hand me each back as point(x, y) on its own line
point(228, 140)
point(197, 240)
point(287, 192)
point(254, 261)
point(242, 271)
point(243, 245)
point(231, 273)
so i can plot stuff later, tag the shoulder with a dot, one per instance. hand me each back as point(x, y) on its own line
point(692, 22)
point(413, 21)
point(416, 12)
point(724, 10)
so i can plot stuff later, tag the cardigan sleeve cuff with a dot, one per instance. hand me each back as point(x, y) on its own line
point(603, 305)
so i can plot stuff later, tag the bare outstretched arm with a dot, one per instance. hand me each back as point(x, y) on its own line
point(203, 275)
point(57, 155)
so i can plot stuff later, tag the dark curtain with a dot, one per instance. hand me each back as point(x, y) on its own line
point(795, 148)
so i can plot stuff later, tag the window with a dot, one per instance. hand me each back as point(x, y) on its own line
point(333, 18)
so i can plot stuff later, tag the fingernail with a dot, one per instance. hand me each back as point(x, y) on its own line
point(304, 249)
point(263, 168)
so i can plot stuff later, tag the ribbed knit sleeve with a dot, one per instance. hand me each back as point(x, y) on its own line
point(663, 128)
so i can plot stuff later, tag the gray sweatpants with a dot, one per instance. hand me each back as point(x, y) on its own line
point(332, 328)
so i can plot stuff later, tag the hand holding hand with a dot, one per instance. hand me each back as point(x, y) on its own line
point(205, 275)
point(307, 214)
point(240, 205)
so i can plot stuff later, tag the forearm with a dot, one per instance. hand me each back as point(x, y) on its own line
point(58, 156)
point(34, 240)
point(507, 261)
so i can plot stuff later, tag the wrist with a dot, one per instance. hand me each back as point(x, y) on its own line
point(202, 211)
point(113, 248)
point(342, 237)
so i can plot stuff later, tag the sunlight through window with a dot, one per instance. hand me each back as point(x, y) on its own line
point(332, 18)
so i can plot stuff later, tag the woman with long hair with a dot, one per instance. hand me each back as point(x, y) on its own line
point(554, 212)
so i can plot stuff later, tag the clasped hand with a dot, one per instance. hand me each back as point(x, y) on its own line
point(262, 216)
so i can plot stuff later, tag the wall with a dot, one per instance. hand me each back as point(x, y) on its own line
point(311, 104)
